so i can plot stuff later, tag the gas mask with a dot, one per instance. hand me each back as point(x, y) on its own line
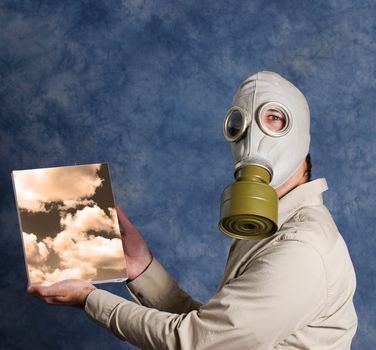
point(268, 130)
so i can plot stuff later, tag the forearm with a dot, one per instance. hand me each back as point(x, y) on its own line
point(156, 288)
point(149, 328)
point(142, 326)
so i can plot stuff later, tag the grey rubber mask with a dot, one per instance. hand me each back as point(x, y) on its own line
point(268, 129)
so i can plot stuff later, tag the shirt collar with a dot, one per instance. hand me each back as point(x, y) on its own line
point(309, 193)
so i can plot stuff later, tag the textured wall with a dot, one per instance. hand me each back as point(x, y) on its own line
point(144, 85)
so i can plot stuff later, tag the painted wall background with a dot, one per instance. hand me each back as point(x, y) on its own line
point(145, 85)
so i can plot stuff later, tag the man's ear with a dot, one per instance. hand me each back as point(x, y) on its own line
point(308, 170)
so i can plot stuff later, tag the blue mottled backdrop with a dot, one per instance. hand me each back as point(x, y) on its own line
point(144, 85)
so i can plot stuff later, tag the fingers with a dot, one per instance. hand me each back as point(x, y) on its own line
point(54, 301)
point(58, 300)
point(69, 292)
point(126, 226)
point(36, 290)
point(122, 217)
point(41, 291)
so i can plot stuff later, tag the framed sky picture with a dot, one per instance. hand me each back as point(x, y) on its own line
point(68, 224)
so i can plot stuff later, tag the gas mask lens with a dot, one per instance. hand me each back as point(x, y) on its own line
point(235, 124)
point(274, 119)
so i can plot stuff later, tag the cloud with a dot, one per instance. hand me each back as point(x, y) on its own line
point(47, 277)
point(36, 252)
point(90, 254)
point(80, 255)
point(71, 184)
point(90, 218)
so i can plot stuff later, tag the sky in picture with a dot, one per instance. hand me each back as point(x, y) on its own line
point(69, 224)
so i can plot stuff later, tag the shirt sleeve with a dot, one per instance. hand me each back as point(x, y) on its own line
point(279, 292)
point(156, 288)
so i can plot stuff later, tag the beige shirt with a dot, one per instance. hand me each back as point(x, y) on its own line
point(293, 290)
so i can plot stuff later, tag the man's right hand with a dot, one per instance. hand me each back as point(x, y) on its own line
point(136, 252)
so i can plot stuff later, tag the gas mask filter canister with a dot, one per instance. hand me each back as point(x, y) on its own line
point(268, 129)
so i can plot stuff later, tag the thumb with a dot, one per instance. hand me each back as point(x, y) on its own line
point(125, 225)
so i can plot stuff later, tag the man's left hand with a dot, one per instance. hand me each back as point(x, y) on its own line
point(70, 292)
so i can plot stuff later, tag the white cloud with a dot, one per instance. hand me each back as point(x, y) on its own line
point(36, 252)
point(80, 254)
point(89, 218)
point(36, 275)
point(68, 273)
point(96, 252)
point(36, 187)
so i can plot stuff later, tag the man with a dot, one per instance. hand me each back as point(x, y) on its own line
point(290, 289)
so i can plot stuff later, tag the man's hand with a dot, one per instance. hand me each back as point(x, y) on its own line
point(68, 292)
point(136, 252)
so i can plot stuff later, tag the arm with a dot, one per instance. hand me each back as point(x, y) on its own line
point(149, 282)
point(278, 293)
point(156, 288)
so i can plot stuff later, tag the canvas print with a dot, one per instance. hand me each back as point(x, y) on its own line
point(69, 224)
